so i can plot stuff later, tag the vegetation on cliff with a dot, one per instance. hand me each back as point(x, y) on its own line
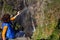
point(46, 14)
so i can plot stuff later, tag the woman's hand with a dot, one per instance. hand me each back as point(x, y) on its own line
point(18, 12)
point(4, 38)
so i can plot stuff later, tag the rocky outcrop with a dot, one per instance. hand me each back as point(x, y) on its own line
point(45, 13)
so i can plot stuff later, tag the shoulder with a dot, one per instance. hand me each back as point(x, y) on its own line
point(5, 24)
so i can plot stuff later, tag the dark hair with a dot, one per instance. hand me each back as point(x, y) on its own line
point(5, 17)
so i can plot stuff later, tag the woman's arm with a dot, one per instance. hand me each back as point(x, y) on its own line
point(4, 32)
point(13, 18)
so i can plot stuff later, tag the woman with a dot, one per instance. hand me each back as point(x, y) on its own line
point(7, 30)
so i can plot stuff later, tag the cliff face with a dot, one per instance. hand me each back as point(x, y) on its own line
point(46, 14)
point(47, 18)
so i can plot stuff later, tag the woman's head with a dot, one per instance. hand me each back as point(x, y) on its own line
point(5, 18)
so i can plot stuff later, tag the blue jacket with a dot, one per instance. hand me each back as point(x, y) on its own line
point(10, 32)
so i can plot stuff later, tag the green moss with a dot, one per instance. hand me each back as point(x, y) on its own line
point(1, 5)
point(55, 35)
point(0, 0)
point(50, 19)
point(7, 8)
